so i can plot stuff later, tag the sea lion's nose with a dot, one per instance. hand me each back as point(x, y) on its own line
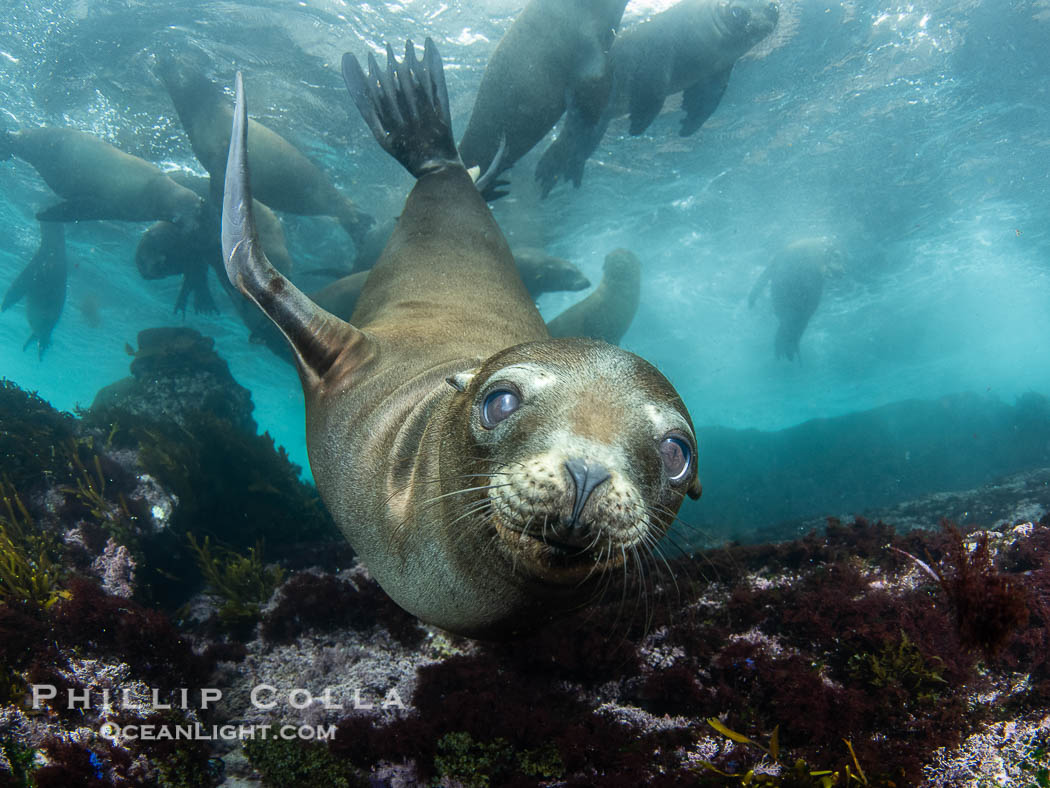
point(586, 475)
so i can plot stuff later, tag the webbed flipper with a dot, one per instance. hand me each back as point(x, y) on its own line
point(701, 99)
point(407, 107)
point(322, 343)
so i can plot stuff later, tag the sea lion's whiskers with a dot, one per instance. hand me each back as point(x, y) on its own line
point(430, 503)
point(651, 541)
point(598, 561)
point(436, 498)
point(472, 510)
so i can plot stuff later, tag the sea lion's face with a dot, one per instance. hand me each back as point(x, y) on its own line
point(587, 452)
point(747, 21)
point(559, 275)
point(157, 255)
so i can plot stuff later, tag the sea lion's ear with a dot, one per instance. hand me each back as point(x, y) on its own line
point(460, 381)
point(695, 489)
point(323, 344)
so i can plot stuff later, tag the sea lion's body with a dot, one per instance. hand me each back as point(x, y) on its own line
point(796, 282)
point(97, 181)
point(43, 284)
point(465, 455)
point(539, 272)
point(282, 177)
point(556, 50)
point(605, 314)
point(690, 48)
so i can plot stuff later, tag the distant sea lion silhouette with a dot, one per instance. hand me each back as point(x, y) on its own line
point(43, 284)
point(689, 48)
point(282, 177)
point(97, 181)
point(487, 475)
point(165, 249)
point(605, 314)
point(555, 52)
point(796, 277)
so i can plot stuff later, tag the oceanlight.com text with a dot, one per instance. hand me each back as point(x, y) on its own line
point(197, 732)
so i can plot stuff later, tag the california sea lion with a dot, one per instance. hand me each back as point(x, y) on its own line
point(796, 277)
point(605, 314)
point(166, 249)
point(97, 181)
point(282, 177)
point(487, 475)
point(689, 48)
point(556, 50)
point(43, 284)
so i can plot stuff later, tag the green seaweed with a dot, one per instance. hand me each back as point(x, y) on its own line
point(1036, 767)
point(790, 775)
point(292, 763)
point(243, 581)
point(475, 764)
point(901, 665)
point(27, 571)
point(32, 438)
point(20, 762)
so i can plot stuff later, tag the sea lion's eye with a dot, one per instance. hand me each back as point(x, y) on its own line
point(741, 16)
point(498, 405)
point(676, 454)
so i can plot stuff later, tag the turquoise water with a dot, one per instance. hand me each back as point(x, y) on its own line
point(912, 134)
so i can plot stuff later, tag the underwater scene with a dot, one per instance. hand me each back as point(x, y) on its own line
point(582, 393)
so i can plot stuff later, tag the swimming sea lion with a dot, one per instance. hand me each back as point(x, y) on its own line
point(43, 283)
point(543, 273)
point(605, 314)
point(487, 475)
point(689, 48)
point(797, 278)
point(282, 177)
point(166, 249)
point(97, 181)
point(556, 50)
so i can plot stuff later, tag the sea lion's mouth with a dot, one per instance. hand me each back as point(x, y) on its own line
point(546, 548)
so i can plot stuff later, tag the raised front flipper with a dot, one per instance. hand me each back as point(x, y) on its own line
point(565, 157)
point(700, 100)
point(647, 84)
point(323, 345)
point(407, 108)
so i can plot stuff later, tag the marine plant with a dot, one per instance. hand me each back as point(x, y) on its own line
point(787, 775)
point(323, 602)
point(465, 761)
point(989, 606)
point(32, 434)
point(19, 762)
point(243, 582)
point(901, 665)
point(27, 572)
point(293, 763)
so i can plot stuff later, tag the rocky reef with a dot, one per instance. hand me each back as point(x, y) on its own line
point(177, 609)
